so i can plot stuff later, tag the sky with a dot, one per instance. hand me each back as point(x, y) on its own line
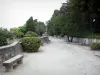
point(14, 13)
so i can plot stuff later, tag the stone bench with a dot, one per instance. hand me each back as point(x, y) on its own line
point(45, 39)
point(9, 64)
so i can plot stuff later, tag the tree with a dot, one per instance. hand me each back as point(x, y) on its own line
point(17, 32)
point(30, 25)
point(22, 29)
point(75, 18)
point(54, 24)
point(4, 34)
point(40, 28)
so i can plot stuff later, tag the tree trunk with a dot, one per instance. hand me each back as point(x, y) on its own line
point(71, 39)
point(68, 39)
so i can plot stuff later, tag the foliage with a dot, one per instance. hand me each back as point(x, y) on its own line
point(40, 28)
point(17, 32)
point(22, 29)
point(56, 24)
point(3, 41)
point(30, 25)
point(4, 34)
point(31, 44)
point(75, 18)
point(31, 34)
point(95, 46)
point(97, 36)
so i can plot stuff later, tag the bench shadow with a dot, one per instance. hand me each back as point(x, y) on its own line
point(15, 66)
point(39, 51)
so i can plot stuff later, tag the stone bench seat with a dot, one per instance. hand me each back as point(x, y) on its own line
point(13, 61)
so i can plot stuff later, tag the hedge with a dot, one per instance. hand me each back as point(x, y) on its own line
point(95, 46)
point(31, 44)
point(3, 41)
point(31, 34)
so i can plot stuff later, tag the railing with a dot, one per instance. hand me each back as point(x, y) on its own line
point(9, 51)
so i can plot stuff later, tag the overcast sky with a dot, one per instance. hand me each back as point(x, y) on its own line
point(14, 13)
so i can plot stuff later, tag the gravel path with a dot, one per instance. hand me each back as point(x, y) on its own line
point(59, 58)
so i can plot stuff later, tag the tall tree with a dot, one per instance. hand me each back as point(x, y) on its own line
point(75, 18)
point(30, 25)
point(40, 28)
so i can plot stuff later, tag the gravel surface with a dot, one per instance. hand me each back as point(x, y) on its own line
point(59, 58)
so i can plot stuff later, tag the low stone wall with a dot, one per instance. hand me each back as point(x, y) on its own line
point(9, 51)
point(83, 41)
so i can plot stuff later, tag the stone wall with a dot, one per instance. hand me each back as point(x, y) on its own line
point(9, 51)
point(84, 41)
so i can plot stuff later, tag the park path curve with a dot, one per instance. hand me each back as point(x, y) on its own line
point(59, 58)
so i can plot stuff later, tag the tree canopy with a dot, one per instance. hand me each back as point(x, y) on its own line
point(78, 18)
point(31, 25)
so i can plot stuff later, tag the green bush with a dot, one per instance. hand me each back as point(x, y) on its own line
point(95, 46)
point(31, 34)
point(97, 36)
point(5, 33)
point(31, 44)
point(3, 41)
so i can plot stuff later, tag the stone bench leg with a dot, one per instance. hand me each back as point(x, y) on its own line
point(20, 61)
point(8, 68)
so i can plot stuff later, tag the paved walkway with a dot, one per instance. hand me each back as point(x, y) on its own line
point(59, 58)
